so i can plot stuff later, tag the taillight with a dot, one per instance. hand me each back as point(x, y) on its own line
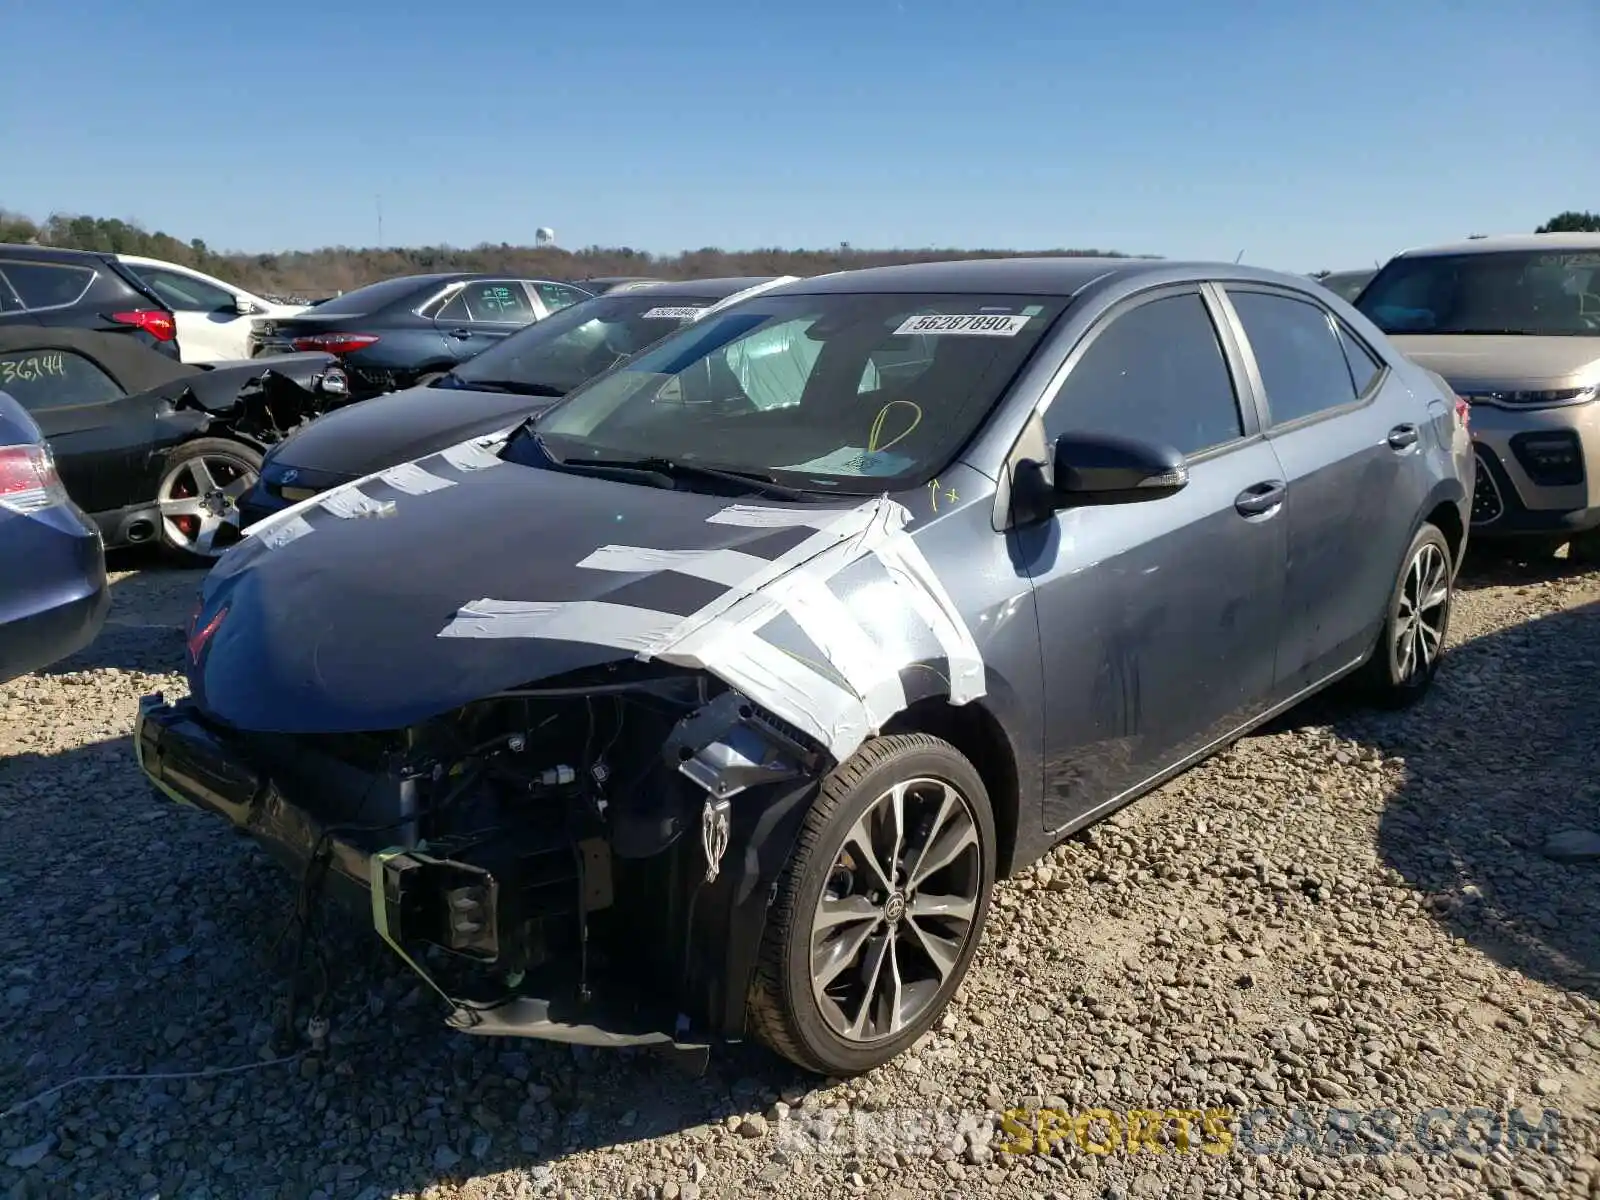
point(28, 479)
point(1463, 412)
point(335, 343)
point(158, 325)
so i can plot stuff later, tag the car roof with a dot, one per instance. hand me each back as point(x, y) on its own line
point(1351, 272)
point(1052, 276)
point(1509, 242)
point(49, 253)
point(726, 286)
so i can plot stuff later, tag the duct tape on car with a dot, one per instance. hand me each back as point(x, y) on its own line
point(840, 701)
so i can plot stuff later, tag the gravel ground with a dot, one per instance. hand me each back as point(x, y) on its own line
point(1349, 910)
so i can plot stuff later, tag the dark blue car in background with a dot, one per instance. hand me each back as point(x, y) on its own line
point(53, 595)
point(410, 330)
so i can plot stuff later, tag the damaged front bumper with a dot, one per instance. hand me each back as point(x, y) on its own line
point(598, 934)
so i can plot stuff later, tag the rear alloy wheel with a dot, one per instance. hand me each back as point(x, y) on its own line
point(1408, 653)
point(199, 496)
point(880, 911)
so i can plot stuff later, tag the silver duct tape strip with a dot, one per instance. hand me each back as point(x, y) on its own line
point(413, 480)
point(353, 502)
point(592, 621)
point(722, 637)
point(783, 684)
point(849, 649)
point(471, 456)
point(916, 580)
point(729, 567)
point(284, 532)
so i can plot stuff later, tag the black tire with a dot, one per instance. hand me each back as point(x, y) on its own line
point(238, 464)
point(783, 1008)
point(1584, 548)
point(1387, 678)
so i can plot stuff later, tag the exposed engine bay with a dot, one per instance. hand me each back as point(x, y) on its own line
point(539, 857)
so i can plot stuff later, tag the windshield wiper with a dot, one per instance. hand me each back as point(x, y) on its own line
point(672, 466)
point(514, 387)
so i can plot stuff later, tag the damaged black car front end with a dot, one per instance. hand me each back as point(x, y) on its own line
point(561, 844)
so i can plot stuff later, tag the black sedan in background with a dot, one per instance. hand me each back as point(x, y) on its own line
point(156, 450)
point(519, 376)
point(412, 329)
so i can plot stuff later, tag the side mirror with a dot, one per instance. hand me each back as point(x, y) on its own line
point(242, 306)
point(1099, 468)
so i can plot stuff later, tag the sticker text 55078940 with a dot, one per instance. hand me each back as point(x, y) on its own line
point(968, 325)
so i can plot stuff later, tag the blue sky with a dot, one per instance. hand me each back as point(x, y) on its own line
point(1307, 134)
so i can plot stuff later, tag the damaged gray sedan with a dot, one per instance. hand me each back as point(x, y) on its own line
point(713, 700)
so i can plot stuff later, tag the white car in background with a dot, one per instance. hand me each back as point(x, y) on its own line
point(214, 318)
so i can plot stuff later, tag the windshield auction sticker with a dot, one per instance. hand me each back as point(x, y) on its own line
point(672, 314)
point(969, 325)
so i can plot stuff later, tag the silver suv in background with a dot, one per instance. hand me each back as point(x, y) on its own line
point(1513, 323)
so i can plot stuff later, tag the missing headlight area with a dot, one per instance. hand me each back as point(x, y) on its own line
point(541, 858)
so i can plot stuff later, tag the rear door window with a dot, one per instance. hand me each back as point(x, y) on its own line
point(1155, 372)
point(47, 285)
point(43, 379)
point(185, 293)
point(498, 300)
point(1365, 367)
point(1301, 357)
point(557, 296)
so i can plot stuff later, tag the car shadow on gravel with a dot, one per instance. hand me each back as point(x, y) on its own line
point(1502, 753)
point(136, 936)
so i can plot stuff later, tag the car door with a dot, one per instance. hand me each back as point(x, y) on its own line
point(1158, 621)
point(100, 438)
point(210, 327)
point(1342, 426)
point(483, 312)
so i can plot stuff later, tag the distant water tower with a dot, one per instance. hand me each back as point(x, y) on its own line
point(545, 237)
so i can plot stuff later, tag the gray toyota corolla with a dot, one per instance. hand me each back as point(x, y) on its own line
point(713, 700)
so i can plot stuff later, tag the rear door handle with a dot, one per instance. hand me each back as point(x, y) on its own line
point(1402, 436)
point(1260, 498)
point(463, 334)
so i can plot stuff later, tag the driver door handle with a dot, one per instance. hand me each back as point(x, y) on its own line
point(1402, 436)
point(1261, 498)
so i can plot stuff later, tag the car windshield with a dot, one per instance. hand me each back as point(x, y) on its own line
point(848, 392)
point(1347, 285)
point(1534, 293)
point(369, 299)
point(555, 355)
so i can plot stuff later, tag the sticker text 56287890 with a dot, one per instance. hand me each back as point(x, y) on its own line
point(674, 313)
point(967, 325)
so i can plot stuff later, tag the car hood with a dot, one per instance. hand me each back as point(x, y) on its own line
point(368, 436)
point(1493, 362)
point(468, 575)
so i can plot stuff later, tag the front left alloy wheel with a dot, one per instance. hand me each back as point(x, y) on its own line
point(880, 910)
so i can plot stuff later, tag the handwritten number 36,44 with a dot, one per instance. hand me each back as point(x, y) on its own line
point(35, 366)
